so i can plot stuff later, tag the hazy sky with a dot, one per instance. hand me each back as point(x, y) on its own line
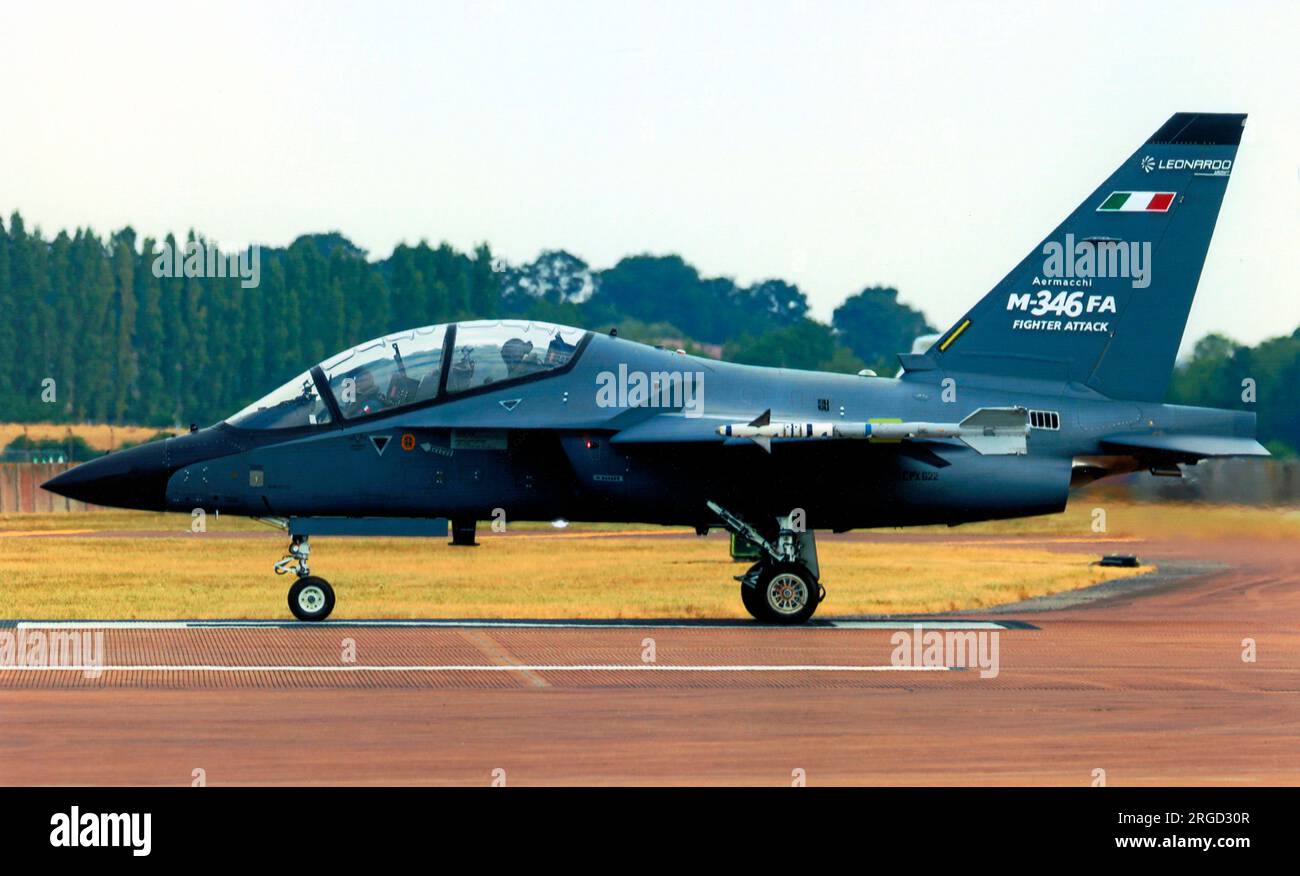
point(836, 145)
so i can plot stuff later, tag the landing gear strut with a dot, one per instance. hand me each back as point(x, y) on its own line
point(311, 598)
point(463, 531)
point(782, 587)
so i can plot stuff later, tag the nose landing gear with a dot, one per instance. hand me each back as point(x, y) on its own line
point(311, 598)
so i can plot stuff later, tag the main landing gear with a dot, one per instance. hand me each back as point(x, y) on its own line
point(310, 598)
point(782, 587)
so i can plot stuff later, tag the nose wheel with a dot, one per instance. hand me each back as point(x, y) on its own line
point(311, 598)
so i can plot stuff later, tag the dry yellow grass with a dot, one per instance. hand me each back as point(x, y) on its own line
point(549, 573)
point(98, 437)
point(191, 575)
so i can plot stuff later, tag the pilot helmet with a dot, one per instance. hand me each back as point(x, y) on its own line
point(515, 349)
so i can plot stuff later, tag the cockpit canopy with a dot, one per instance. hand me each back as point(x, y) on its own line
point(388, 372)
point(412, 367)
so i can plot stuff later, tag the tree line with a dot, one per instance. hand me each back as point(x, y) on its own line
point(88, 332)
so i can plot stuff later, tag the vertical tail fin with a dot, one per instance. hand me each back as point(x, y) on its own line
point(1103, 300)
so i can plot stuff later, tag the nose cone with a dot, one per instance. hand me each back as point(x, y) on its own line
point(134, 478)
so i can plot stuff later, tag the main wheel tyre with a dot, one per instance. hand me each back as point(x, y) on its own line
point(311, 599)
point(787, 593)
point(752, 599)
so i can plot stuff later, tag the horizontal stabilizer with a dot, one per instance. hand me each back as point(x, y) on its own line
point(1187, 446)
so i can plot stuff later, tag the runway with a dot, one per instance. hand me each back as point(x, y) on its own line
point(1146, 683)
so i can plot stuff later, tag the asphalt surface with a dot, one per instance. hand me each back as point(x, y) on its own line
point(1144, 680)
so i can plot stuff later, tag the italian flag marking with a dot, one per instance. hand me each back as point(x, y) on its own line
point(1137, 202)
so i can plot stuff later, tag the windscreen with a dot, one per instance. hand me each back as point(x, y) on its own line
point(296, 403)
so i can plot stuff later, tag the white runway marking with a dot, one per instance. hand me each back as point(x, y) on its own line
point(106, 625)
point(520, 624)
point(614, 667)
